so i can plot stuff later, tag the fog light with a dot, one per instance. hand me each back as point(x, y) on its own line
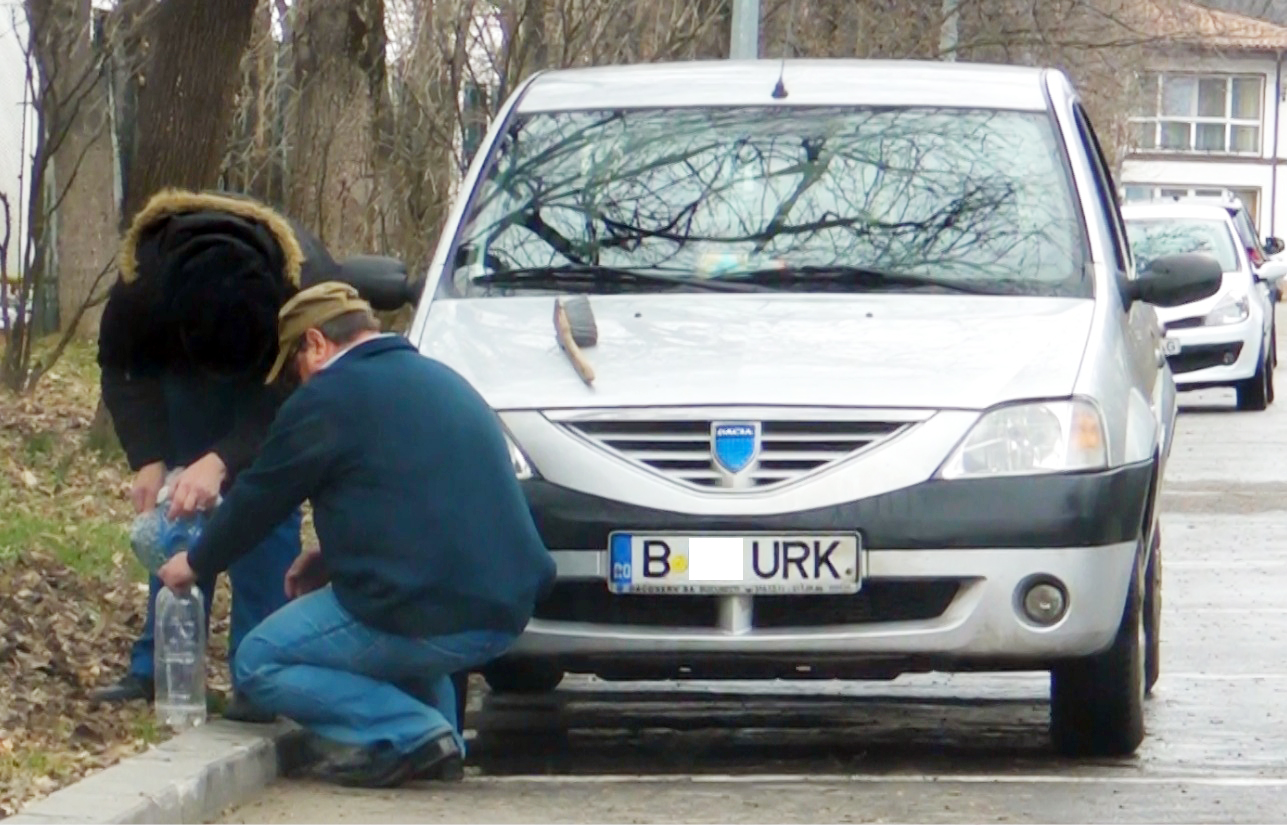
point(1229, 358)
point(1044, 603)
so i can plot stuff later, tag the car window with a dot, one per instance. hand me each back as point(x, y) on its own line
point(1247, 233)
point(970, 197)
point(1117, 245)
point(1154, 238)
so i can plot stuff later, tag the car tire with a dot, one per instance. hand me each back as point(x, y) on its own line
point(1097, 702)
point(522, 678)
point(1153, 614)
point(1253, 393)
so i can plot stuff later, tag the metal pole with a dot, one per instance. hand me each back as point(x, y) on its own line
point(744, 40)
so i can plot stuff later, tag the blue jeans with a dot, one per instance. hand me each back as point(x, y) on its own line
point(258, 590)
point(316, 664)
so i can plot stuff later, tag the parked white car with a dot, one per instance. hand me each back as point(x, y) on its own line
point(1225, 340)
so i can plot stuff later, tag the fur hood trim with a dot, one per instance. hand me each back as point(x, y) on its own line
point(170, 202)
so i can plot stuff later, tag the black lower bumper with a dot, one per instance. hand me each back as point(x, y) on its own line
point(1074, 510)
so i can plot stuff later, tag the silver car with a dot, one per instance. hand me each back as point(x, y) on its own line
point(821, 369)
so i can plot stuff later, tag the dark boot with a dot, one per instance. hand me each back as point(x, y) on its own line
point(128, 689)
point(379, 767)
point(439, 760)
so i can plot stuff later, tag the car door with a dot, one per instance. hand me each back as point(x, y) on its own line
point(1144, 335)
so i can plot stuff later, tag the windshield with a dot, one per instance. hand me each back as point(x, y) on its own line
point(676, 199)
point(1155, 237)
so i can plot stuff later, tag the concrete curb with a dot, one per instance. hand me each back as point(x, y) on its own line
point(193, 777)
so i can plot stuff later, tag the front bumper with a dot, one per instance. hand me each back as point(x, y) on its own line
point(1213, 356)
point(979, 626)
point(945, 565)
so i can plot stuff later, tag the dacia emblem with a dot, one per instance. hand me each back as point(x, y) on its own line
point(735, 445)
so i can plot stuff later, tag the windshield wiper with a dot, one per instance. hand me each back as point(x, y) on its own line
point(608, 276)
point(861, 277)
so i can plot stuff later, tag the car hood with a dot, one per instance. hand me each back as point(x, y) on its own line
point(890, 350)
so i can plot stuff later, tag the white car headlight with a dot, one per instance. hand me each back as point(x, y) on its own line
point(1030, 439)
point(1230, 310)
point(522, 466)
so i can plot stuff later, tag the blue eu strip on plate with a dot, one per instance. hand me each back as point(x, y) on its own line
point(619, 559)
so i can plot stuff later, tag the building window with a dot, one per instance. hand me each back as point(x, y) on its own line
point(1218, 114)
point(1144, 192)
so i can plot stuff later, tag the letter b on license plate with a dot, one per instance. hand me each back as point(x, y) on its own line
point(665, 563)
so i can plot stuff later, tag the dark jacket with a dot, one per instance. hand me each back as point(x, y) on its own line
point(190, 327)
point(423, 525)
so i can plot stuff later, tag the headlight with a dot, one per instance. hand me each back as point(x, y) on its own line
point(1029, 439)
point(522, 466)
point(1229, 311)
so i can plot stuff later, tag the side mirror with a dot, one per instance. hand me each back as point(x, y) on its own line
point(1175, 280)
point(381, 280)
point(1274, 245)
point(1272, 271)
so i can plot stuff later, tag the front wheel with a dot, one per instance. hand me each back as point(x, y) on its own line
point(1097, 702)
point(1255, 392)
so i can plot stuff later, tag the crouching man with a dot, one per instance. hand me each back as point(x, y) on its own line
point(429, 562)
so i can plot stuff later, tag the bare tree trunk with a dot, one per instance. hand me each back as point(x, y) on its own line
point(86, 218)
point(189, 78)
point(340, 81)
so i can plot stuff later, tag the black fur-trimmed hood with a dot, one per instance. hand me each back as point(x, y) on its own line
point(216, 268)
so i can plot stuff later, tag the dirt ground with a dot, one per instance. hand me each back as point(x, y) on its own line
point(72, 597)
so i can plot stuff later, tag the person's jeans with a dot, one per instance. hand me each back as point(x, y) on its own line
point(258, 590)
point(316, 664)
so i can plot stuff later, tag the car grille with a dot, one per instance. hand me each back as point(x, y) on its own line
point(1193, 358)
point(681, 450)
point(880, 600)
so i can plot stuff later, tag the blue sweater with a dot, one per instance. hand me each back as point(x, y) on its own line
point(423, 526)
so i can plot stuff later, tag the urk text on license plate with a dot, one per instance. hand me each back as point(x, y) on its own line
point(723, 564)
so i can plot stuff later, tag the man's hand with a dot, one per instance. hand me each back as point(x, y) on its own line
point(307, 574)
point(176, 574)
point(197, 487)
point(147, 485)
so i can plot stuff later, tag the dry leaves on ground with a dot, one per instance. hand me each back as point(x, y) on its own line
point(71, 595)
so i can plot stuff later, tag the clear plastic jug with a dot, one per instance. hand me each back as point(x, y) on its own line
point(179, 658)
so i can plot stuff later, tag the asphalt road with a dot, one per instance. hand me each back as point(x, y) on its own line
point(926, 748)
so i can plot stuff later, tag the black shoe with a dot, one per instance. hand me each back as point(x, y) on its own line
point(438, 760)
point(380, 767)
point(241, 709)
point(128, 689)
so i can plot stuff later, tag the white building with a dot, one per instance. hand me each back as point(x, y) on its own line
point(17, 128)
point(1213, 117)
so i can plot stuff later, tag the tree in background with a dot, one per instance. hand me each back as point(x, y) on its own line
point(64, 73)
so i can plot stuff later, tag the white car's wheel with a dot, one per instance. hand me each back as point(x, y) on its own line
point(1254, 393)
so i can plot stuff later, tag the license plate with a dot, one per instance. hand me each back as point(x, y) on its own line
point(724, 564)
point(1171, 346)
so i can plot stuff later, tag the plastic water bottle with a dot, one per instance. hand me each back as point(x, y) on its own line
point(179, 658)
point(154, 538)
